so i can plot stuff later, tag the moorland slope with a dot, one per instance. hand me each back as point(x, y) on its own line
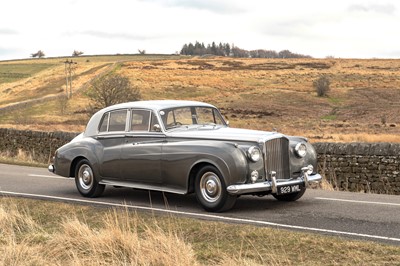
point(363, 103)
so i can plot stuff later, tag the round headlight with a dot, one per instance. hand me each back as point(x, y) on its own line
point(301, 149)
point(254, 153)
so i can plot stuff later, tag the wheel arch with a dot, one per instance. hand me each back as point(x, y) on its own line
point(77, 154)
point(210, 189)
point(196, 168)
point(74, 163)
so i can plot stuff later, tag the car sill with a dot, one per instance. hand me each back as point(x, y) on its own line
point(142, 186)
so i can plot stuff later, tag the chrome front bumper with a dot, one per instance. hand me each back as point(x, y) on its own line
point(273, 184)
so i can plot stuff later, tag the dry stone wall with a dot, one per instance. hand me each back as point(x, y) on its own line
point(39, 145)
point(361, 167)
point(366, 167)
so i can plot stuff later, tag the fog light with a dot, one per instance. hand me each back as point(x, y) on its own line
point(254, 176)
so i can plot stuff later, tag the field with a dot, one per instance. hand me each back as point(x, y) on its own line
point(267, 94)
point(362, 105)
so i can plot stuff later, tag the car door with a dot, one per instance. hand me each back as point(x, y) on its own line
point(111, 136)
point(141, 150)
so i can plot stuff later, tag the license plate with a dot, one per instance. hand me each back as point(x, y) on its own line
point(288, 189)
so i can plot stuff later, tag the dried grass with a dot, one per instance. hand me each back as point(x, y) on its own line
point(119, 242)
point(18, 233)
point(20, 157)
point(61, 234)
point(14, 221)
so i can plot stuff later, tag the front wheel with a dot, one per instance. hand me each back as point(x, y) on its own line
point(86, 182)
point(292, 196)
point(211, 190)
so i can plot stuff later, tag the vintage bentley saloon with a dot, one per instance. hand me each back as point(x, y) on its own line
point(185, 147)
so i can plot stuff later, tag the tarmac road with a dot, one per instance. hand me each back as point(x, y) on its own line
point(355, 215)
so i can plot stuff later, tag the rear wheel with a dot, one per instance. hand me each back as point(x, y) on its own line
point(211, 190)
point(85, 180)
point(292, 196)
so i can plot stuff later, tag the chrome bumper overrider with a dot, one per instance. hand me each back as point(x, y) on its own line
point(272, 185)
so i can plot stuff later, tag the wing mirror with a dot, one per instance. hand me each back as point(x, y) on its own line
point(157, 128)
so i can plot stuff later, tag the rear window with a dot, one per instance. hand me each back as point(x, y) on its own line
point(104, 123)
point(113, 121)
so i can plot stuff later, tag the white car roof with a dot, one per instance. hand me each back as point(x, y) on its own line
point(157, 105)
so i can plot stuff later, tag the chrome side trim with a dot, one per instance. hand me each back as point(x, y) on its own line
point(143, 186)
point(270, 186)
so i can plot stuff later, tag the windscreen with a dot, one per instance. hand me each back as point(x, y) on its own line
point(187, 116)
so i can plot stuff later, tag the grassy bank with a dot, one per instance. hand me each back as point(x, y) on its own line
point(47, 233)
point(21, 158)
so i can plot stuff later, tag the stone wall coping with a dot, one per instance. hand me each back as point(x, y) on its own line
point(358, 148)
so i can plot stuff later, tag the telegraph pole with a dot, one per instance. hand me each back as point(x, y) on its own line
point(69, 70)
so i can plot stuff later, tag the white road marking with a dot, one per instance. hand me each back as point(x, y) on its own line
point(48, 176)
point(360, 201)
point(211, 216)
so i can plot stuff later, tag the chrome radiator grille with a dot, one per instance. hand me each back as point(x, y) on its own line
point(277, 157)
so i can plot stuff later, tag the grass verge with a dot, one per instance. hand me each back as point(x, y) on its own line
point(35, 232)
point(21, 158)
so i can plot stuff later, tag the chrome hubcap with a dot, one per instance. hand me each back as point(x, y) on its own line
point(85, 176)
point(210, 187)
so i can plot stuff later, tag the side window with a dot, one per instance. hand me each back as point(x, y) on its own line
point(117, 121)
point(104, 123)
point(140, 120)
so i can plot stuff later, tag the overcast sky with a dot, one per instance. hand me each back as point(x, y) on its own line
point(340, 28)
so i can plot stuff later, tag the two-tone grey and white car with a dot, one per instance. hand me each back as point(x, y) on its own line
point(185, 147)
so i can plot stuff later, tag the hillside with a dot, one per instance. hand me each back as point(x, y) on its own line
point(363, 104)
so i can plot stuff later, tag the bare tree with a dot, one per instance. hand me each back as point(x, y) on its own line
point(110, 90)
point(38, 54)
point(142, 51)
point(77, 53)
